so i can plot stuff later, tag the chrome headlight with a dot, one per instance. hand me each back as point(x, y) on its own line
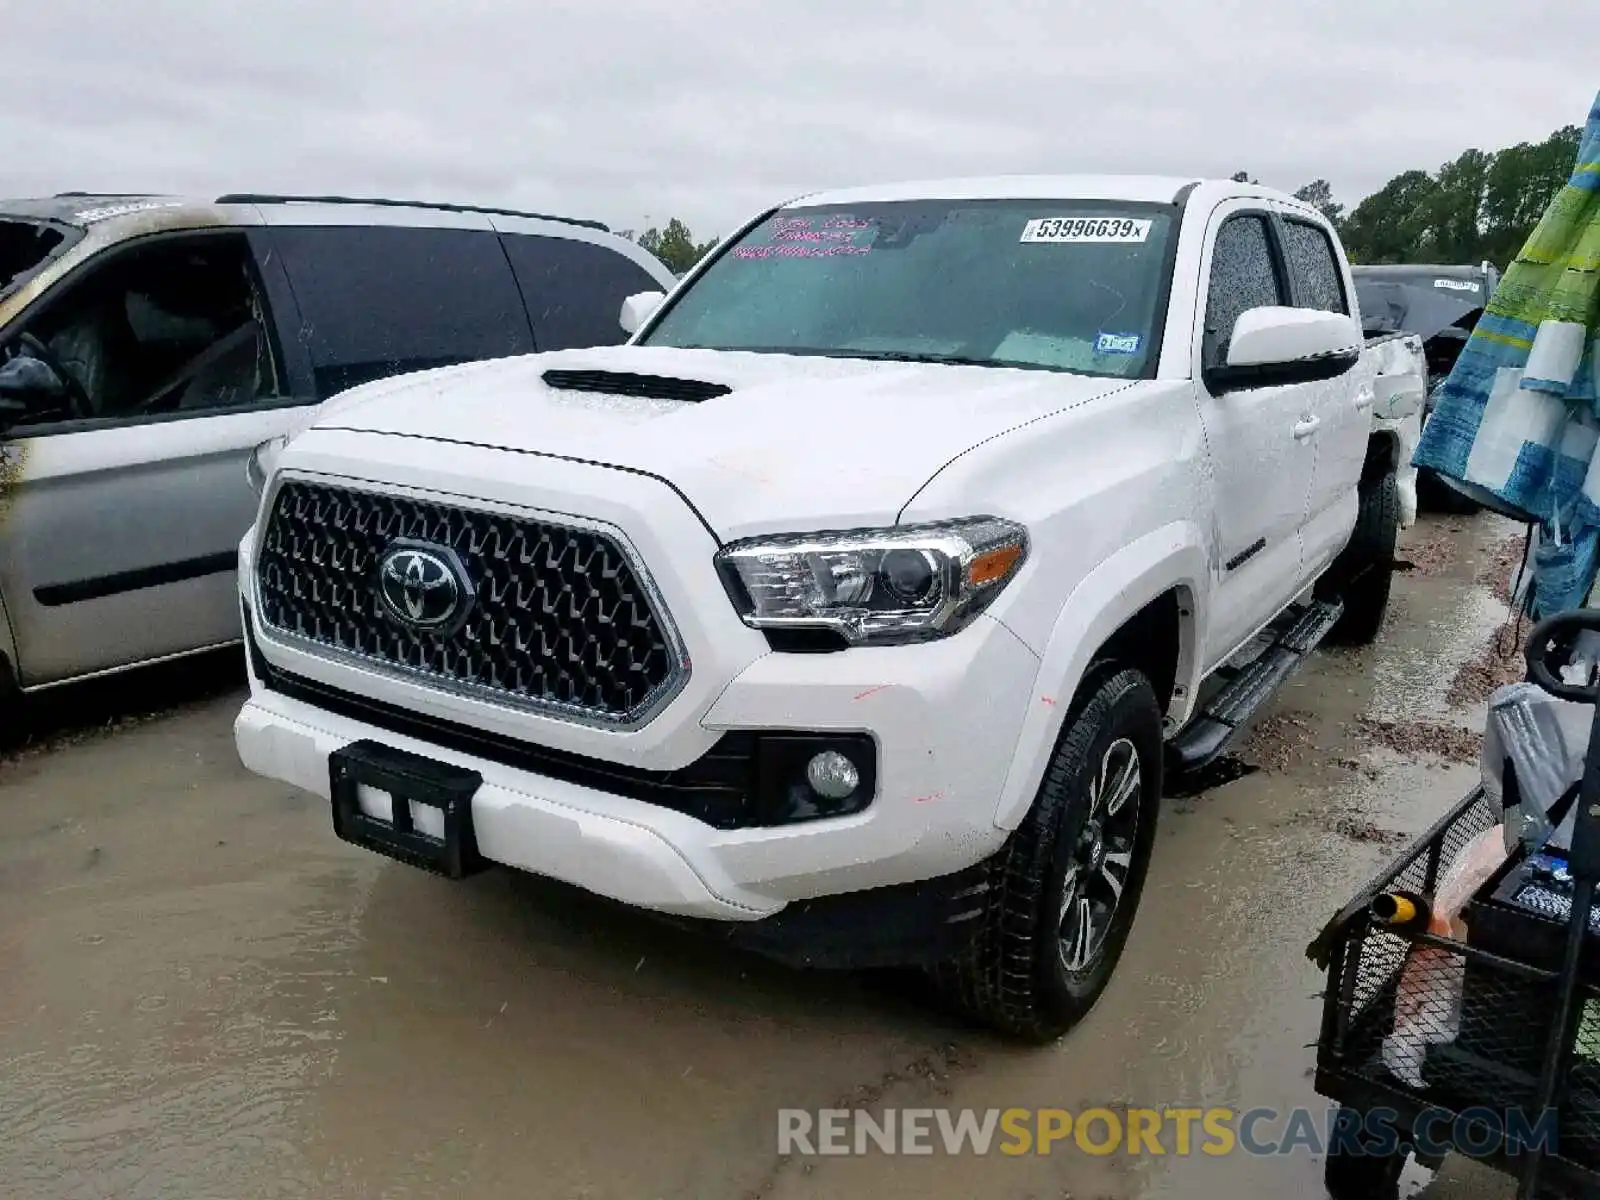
point(263, 459)
point(879, 586)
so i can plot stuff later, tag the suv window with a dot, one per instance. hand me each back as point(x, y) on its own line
point(172, 327)
point(377, 301)
point(1244, 275)
point(1315, 268)
point(25, 247)
point(574, 289)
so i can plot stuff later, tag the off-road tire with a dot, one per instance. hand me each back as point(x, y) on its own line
point(1435, 495)
point(1364, 572)
point(1363, 1177)
point(11, 727)
point(1013, 976)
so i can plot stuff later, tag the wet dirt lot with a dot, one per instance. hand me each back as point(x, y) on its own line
point(204, 994)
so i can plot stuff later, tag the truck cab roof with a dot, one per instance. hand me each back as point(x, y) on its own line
point(1147, 189)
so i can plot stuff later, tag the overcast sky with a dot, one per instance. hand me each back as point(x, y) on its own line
point(629, 110)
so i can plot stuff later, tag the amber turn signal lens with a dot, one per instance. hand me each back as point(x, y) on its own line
point(993, 564)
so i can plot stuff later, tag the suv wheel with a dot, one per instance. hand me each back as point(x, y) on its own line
point(1064, 888)
point(1362, 575)
point(10, 703)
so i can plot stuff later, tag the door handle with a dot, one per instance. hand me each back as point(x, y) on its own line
point(1364, 399)
point(1304, 429)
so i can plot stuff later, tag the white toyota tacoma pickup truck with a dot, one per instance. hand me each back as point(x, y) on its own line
point(861, 603)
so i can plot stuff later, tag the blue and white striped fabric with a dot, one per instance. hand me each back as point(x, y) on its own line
point(1518, 419)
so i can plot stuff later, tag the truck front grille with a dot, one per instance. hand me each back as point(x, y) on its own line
point(556, 617)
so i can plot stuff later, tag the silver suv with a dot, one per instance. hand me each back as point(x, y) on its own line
point(148, 344)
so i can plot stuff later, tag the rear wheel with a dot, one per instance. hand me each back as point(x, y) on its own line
point(1064, 888)
point(10, 703)
point(1363, 573)
point(1374, 1176)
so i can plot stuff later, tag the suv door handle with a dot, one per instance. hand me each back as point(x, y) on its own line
point(1304, 429)
point(1364, 399)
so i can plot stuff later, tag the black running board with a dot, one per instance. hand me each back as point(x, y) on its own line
point(1228, 713)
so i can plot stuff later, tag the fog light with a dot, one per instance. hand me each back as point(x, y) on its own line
point(832, 776)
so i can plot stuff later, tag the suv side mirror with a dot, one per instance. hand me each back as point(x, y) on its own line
point(1273, 346)
point(636, 310)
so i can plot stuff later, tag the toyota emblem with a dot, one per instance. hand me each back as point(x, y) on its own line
point(424, 587)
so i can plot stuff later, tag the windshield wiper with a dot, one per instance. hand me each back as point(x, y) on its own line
point(954, 360)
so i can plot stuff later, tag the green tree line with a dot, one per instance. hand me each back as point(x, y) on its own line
point(1480, 206)
point(674, 246)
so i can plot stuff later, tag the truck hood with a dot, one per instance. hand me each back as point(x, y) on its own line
point(772, 443)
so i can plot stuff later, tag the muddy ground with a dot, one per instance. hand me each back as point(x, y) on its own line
point(204, 994)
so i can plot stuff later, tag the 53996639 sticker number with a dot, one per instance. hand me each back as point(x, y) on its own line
point(1086, 229)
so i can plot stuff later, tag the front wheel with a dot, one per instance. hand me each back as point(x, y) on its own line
point(1064, 888)
point(1363, 573)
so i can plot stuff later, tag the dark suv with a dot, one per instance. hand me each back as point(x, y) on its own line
point(148, 344)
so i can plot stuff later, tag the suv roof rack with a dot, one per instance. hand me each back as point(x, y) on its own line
point(263, 198)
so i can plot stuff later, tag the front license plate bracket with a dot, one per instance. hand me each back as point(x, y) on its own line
point(407, 779)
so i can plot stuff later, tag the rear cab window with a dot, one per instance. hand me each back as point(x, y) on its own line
point(377, 301)
point(1314, 267)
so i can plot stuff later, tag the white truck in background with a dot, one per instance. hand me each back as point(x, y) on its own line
point(860, 605)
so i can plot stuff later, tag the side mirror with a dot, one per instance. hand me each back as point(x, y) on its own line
point(1273, 346)
point(636, 310)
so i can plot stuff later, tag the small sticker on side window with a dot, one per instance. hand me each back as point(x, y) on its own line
point(1086, 229)
point(1117, 343)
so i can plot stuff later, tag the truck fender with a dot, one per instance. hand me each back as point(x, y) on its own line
point(1172, 556)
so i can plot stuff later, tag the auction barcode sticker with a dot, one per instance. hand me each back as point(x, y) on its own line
point(1086, 229)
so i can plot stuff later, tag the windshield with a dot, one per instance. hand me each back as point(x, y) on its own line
point(25, 246)
point(1057, 285)
point(1393, 305)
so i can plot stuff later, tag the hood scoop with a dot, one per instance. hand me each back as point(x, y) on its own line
point(626, 383)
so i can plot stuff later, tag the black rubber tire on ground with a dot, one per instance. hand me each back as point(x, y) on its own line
point(1363, 573)
point(1434, 495)
point(1014, 976)
point(1363, 1177)
point(10, 701)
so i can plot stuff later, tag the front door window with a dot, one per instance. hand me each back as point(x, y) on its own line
point(171, 328)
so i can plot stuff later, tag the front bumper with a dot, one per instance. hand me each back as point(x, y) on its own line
point(520, 820)
point(945, 724)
